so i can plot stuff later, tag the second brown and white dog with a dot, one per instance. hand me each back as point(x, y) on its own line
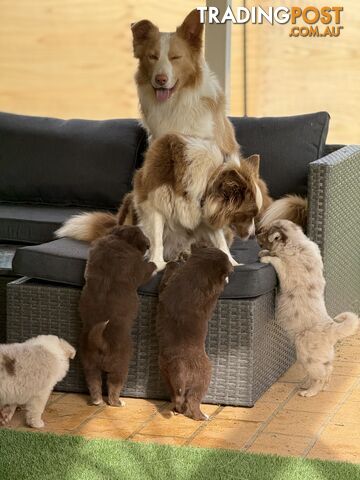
point(187, 298)
point(185, 193)
point(28, 373)
point(301, 309)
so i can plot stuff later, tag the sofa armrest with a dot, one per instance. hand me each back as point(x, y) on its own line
point(334, 224)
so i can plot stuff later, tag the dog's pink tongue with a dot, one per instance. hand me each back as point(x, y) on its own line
point(162, 94)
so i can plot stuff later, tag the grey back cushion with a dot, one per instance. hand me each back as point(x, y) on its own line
point(286, 146)
point(56, 162)
point(90, 164)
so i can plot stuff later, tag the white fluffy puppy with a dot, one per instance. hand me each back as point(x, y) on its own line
point(28, 373)
point(301, 307)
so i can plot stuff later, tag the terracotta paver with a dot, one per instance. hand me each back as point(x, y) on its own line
point(278, 444)
point(229, 434)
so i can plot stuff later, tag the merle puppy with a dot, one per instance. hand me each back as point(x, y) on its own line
point(108, 307)
point(187, 298)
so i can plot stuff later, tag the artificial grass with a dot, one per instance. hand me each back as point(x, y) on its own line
point(37, 456)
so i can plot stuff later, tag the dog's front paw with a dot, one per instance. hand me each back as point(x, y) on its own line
point(263, 253)
point(160, 265)
point(234, 263)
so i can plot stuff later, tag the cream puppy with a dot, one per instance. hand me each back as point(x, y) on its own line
point(28, 373)
point(301, 310)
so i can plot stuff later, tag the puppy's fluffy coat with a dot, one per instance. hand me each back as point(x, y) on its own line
point(108, 307)
point(28, 373)
point(301, 307)
point(188, 295)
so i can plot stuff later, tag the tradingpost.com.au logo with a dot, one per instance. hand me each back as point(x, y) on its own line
point(305, 22)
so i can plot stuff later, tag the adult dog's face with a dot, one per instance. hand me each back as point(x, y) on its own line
point(233, 197)
point(279, 234)
point(168, 61)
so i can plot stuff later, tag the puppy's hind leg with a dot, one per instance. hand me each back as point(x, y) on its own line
point(197, 392)
point(94, 383)
point(116, 380)
point(318, 375)
point(35, 408)
point(6, 414)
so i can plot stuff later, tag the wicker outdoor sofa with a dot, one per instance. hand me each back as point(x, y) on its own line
point(247, 348)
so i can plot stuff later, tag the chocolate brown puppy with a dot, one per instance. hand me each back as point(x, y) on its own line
point(187, 298)
point(108, 307)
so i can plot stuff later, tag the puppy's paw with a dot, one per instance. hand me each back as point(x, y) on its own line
point(265, 259)
point(116, 402)
point(307, 393)
point(263, 253)
point(36, 423)
point(98, 402)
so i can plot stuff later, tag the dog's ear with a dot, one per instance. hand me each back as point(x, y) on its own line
point(253, 164)
point(191, 29)
point(142, 30)
point(68, 349)
point(232, 186)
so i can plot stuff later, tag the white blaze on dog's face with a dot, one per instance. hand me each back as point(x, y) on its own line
point(168, 61)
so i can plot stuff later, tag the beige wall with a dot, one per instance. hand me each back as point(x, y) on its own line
point(287, 76)
point(72, 58)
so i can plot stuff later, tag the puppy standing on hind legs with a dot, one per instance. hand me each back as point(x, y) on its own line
point(109, 305)
point(182, 325)
point(301, 309)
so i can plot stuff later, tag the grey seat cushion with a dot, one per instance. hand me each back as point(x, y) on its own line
point(63, 261)
point(30, 224)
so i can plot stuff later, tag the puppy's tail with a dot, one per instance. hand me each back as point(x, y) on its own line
point(96, 339)
point(126, 214)
point(345, 324)
point(87, 226)
point(291, 207)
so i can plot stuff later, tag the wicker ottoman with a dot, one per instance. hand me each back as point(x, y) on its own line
point(7, 253)
point(247, 348)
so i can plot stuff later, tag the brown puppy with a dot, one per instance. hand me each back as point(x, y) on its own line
point(108, 307)
point(188, 296)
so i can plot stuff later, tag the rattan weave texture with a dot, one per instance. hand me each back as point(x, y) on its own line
point(334, 224)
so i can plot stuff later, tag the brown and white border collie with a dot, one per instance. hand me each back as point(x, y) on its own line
point(182, 104)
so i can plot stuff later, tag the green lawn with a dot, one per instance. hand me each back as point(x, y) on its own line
point(36, 456)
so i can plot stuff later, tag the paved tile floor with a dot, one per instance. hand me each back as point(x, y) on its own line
point(326, 426)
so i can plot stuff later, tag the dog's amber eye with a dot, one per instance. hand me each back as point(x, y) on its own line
point(175, 57)
point(153, 57)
